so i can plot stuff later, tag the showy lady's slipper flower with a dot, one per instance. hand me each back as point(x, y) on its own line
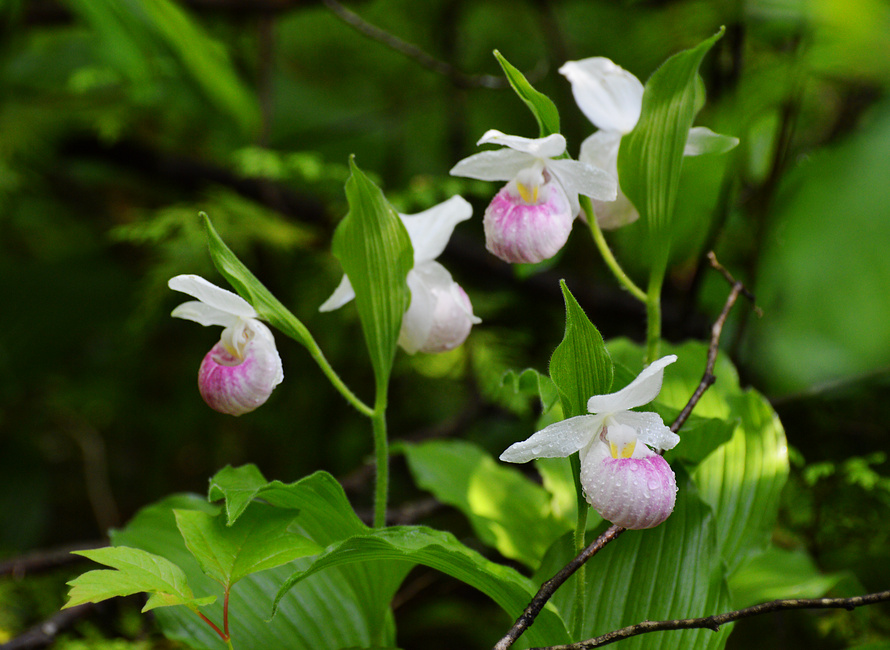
point(530, 219)
point(440, 315)
point(624, 480)
point(241, 370)
point(612, 98)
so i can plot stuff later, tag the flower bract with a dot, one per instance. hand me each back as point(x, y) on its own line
point(239, 373)
point(623, 476)
point(530, 218)
point(440, 316)
point(612, 99)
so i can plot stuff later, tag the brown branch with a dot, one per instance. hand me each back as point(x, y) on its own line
point(47, 560)
point(43, 634)
point(708, 377)
point(549, 588)
point(457, 77)
point(714, 622)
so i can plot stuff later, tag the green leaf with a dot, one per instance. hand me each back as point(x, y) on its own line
point(252, 290)
point(580, 366)
point(650, 156)
point(238, 486)
point(355, 599)
point(136, 571)
point(373, 246)
point(668, 572)
point(532, 383)
point(778, 573)
point(507, 510)
point(260, 540)
point(442, 551)
point(541, 106)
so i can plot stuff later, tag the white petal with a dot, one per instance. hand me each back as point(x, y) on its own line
point(418, 320)
point(550, 147)
point(342, 294)
point(702, 140)
point(431, 229)
point(650, 429)
point(558, 440)
point(210, 294)
point(204, 314)
point(641, 390)
point(601, 150)
point(580, 178)
point(606, 93)
point(500, 165)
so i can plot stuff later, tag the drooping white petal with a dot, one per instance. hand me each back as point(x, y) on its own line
point(610, 96)
point(601, 150)
point(580, 178)
point(558, 440)
point(499, 165)
point(418, 320)
point(651, 429)
point(212, 295)
point(702, 140)
point(204, 314)
point(549, 147)
point(641, 390)
point(342, 294)
point(431, 229)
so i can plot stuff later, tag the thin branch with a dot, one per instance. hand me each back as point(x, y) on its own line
point(549, 588)
point(43, 634)
point(714, 622)
point(708, 377)
point(42, 561)
point(457, 77)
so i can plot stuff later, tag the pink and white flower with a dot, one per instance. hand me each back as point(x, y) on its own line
point(529, 220)
point(612, 99)
point(624, 480)
point(241, 370)
point(440, 316)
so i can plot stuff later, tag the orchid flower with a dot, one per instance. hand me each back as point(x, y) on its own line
point(241, 370)
point(612, 98)
point(624, 480)
point(529, 220)
point(440, 315)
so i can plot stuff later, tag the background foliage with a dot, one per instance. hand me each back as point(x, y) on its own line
point(121, 119)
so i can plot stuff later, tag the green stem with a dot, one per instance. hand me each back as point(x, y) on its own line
point(580, 540)
point(606, 252)
point(381, 454)
point(334, 378)
point(653, 310)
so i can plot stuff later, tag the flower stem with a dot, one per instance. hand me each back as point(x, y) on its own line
point(653, 310)
point(600, 241)
point(381, 454)
point(580, 543)
point(334, 378)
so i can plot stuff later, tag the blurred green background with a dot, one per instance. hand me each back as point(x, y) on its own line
point(121, 119)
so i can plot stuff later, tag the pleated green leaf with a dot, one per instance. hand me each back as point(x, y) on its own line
point(778, 573)
point(443, 552)
point(650, 156)
point(262, 539)
point(508, 511)
point(375, 252)
point(252, 290)
point(135, 571)
point(580, 366)
point(344, 607)
point(541, 106)
point(671, 571)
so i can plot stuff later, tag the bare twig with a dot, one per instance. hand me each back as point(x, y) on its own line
point(708, 377)
point(46, 560)
point(549, 588)
point(714, 622)
point(457, 77)
point(43, 634)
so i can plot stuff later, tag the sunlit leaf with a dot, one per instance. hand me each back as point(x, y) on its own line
point(507, 510)
point(136, 571)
